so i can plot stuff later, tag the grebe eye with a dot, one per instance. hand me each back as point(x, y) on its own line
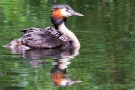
point(67, 10)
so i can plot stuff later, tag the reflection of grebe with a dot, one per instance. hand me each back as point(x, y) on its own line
point(61, 78)
point(59, 75)
point(50, 37)
point(38, 58)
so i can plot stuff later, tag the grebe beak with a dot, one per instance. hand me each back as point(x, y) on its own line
point(76, 13)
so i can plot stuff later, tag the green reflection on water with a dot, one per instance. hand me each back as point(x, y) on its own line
point(106, 33)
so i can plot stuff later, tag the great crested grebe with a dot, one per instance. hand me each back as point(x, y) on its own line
point(59, 36)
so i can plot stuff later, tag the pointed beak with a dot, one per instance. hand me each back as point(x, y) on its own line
point(76, 13)
point(73, 82)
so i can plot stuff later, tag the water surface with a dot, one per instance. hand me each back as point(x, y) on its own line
point(105, 60)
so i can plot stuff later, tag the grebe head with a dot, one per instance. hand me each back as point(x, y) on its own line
point(60, 14)
point(64, 11)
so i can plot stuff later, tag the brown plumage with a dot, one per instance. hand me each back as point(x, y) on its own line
point(44, 38)
point(57, 14)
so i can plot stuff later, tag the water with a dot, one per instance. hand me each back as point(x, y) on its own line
point(105, 60)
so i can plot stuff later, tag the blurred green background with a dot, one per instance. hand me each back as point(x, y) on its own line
point(107, 37)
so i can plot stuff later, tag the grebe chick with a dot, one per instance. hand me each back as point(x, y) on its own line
point(59, 36)
point(16, 46)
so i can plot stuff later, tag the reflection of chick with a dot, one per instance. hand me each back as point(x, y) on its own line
point(61, 78)
point(16, 46)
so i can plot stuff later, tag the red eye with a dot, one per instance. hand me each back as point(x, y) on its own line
point(66, 10)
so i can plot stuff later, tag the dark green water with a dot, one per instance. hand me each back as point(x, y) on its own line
point(106, 33)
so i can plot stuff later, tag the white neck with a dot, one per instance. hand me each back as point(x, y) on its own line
point(64, 30)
